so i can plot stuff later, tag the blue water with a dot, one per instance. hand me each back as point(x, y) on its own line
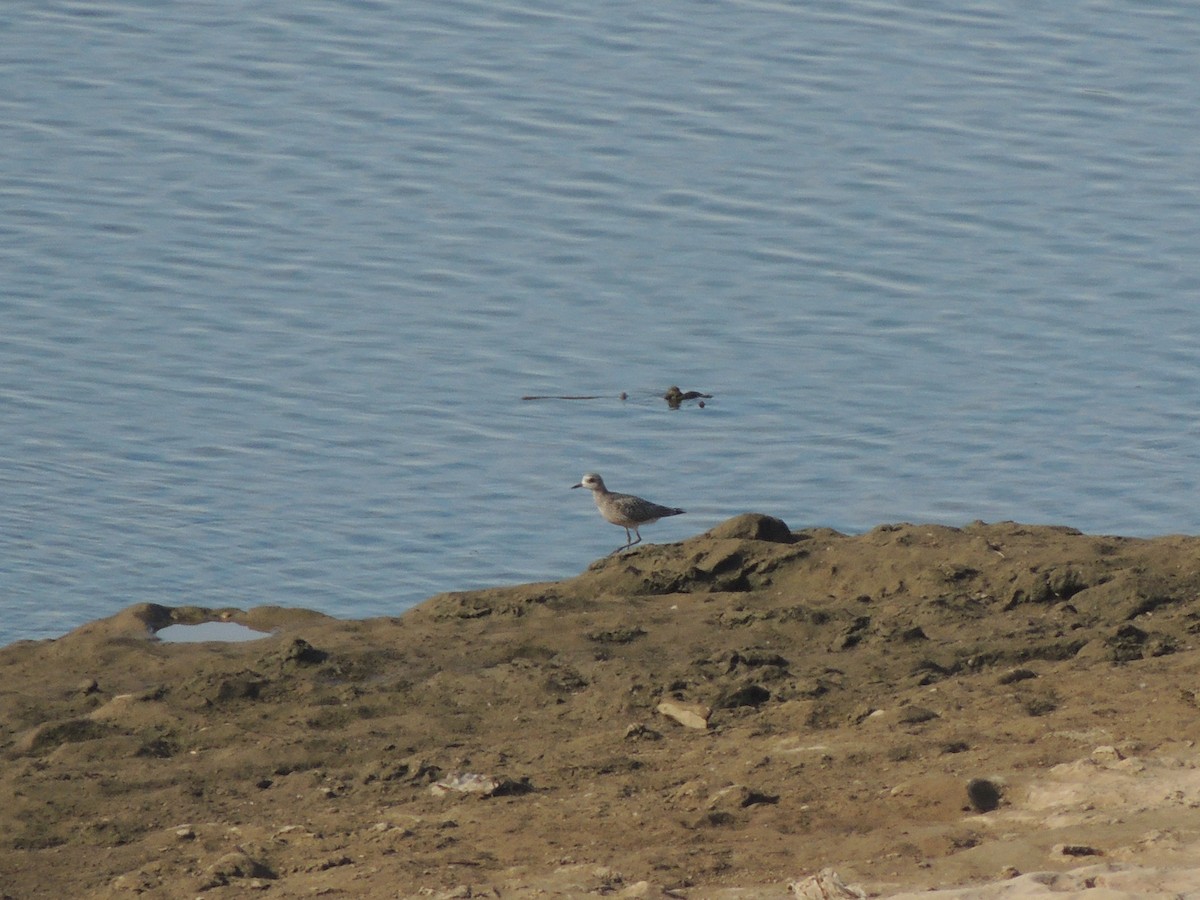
point(273, 280)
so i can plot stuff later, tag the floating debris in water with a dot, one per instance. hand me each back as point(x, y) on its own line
point(568, 396)
point(675, 397)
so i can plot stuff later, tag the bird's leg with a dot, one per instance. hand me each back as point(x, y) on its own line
point(626, 545)
point(635, 531)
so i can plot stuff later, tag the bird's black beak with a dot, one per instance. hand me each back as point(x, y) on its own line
point(576, 485)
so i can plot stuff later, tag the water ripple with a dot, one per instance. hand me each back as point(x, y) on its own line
point(274, 283)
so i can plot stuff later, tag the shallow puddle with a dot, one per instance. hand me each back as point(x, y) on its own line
point(228, 632)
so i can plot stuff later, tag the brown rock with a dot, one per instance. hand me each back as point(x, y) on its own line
point(690, 715)
point(753, 527)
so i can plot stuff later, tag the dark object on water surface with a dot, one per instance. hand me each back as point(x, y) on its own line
point(674, 396)
point(565, 397)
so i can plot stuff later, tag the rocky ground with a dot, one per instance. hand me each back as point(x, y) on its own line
point(916, 707)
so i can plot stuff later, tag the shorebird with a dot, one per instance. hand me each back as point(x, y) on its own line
point(625, 510)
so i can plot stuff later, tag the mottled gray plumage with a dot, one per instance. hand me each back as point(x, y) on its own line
point(624, 510)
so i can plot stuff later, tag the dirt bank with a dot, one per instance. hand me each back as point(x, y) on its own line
point(719, 717)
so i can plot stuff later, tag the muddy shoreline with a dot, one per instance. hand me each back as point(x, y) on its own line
point(720, 717)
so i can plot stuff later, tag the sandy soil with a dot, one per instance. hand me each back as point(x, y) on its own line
point(1006, 710)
